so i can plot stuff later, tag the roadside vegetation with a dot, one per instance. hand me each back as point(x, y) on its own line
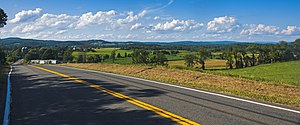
point(266, 91)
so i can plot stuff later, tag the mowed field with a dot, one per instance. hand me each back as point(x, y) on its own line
point(281, 73)
point(103, 51)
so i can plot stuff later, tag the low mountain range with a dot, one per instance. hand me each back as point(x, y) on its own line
point(35, 42)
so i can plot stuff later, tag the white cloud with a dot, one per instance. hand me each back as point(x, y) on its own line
point(136, 26)
point(222, 24)
point(176, 25)
point(131, 17)
point(156, 18)
point(98, 18)
point(46, 22)
point(260, 29)
point(128, 36)
point(291, 30)
point(26, 15)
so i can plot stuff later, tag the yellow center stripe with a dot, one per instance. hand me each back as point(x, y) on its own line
point(136, 102)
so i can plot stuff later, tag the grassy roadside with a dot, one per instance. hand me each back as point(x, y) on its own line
point(266, 91)
point(3, 78)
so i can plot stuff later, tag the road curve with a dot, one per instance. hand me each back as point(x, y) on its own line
point(43, 97)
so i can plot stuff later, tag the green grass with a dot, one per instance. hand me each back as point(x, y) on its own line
point(127, 60)
point(282, 73)
point(103, 51)
point(179, 56)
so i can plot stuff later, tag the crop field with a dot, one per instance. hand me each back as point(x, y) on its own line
point(281, 73)
point(262, 90)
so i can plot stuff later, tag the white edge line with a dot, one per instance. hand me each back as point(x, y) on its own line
point(8, 99)
point(201, 91)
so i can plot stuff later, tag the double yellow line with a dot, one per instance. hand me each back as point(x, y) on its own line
point(136, 102)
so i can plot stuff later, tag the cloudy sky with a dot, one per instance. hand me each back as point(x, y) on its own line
point(153, 20)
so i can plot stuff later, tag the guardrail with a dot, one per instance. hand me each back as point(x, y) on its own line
point(8, 99)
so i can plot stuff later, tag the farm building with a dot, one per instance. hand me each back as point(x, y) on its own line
point(43, 62)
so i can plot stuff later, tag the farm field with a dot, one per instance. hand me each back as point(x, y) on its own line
point(128, 60)
point(103, 51)
point(281, 73)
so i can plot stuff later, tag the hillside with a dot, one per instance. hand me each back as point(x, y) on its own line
point(283, 73)
point(35, 42)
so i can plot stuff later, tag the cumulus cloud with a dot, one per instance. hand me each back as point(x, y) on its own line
point(131, 17)
point(130, 25)
point(46, 22)
point(176, 25)
point(291, 30)
point(222, 24)
point(98, 18)
point(259, 29)
point(136, 26)
point(26, 15)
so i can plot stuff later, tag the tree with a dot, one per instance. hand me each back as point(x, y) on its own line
point(202, 55)
point(67, 56)
point(80, 59)
point(2, 57)
point(229, 58)
point(3, 18)
point(296, 49)
point(93, 59)
point(14, 55)
point(140, 56)
point(48, 54)
point(174, 52)
point(253, 49)
point(190, 60)
point(31, 55)
point(113, 55)
point(159, 58)
point(236, 56)
point(119, 55)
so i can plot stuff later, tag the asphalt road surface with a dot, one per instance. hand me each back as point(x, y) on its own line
point(82, 97)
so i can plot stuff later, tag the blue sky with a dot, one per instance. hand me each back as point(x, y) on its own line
point(153, 20)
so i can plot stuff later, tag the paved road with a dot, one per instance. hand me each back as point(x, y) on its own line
point(40, 97)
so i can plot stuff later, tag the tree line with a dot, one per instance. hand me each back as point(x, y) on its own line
point(241, 56)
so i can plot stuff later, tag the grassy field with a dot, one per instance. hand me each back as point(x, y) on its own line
point(282, 73)
point(128, 60)
point(261, 90)
point(179, 56)
point(103, 51)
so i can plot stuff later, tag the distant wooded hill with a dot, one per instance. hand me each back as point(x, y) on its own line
point(35, 42)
